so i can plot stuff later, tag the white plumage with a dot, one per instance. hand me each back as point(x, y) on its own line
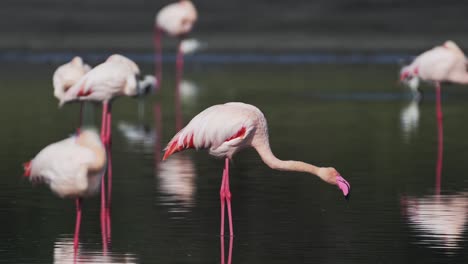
point(72, 167)
point(67, 75)
point(441, 63)
point(227, 128)
point(177, 18)
point(115, 77)
point(216, 128)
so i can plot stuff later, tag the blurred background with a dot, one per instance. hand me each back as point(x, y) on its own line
point(242, 25)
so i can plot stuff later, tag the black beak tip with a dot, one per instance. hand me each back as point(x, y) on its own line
point(348, 196)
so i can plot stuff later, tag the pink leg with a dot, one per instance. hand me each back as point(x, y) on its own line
point(158, 54)
point(222, 197)
point(81, 118)
point(440, 140)
point(228, 197)
point(103, 122)
point(438, 101)
point(222, 249)
point(231, 240)
point(76, 238)
point(179, 63)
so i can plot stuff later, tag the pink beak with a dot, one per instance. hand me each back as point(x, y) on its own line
point(344, 186)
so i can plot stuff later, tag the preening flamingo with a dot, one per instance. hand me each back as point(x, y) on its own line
point(72, 168)
point(226, 129)
point(117, 76)
point(176, 20)
point(446, 63)
point(66, 75)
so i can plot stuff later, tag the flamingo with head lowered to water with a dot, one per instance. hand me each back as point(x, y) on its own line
point(225, 129)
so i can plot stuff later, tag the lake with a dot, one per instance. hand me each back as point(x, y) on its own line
point(409, 201)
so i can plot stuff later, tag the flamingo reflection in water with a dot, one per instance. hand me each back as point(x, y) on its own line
point(409, 119)
point(64, 253)
point(441, 218)
point(72, 168)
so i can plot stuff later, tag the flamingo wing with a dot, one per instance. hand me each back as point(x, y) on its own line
point(101, 83)
point(220, 128)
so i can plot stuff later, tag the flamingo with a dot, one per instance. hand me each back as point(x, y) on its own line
point(176, 20)
point(439, 64)
point(66, 75)
point(117, 76)
point(225, 129)
point(72, 168)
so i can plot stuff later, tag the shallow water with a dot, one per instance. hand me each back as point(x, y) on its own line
point(353, 117)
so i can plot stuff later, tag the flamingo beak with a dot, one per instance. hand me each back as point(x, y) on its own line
point(344, 186)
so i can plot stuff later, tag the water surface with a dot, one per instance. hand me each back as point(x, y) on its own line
point(350, 116)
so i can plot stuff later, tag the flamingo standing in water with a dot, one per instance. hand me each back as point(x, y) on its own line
point(176, 20)
point(117, 76)
point(66, 76)
point(226, 129)
point(72, 168)
point(446, 63)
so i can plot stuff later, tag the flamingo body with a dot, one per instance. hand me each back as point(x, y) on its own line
point(115, 77)
point(67, 75)
point(226, 129)
point(439, 64)
point(177, 19)
point(72, 167)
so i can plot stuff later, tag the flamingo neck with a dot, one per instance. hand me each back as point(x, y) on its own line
point(273, 162)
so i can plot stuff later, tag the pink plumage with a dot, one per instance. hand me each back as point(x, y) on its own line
point(115, 77)
point(439, 64)
point(72, 167)
point(226, 129)
point(177, 19)
point(67, 75)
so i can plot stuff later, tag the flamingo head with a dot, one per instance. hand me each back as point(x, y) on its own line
point(409, 77)
point(332, 176)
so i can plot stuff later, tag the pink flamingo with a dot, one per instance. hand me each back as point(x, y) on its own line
point(440, 64)
point(176, 20)
point(72, 168)
point(66, 76)
point(226, 129)
point(117, 76)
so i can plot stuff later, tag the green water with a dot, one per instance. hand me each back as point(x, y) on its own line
point(352, 117)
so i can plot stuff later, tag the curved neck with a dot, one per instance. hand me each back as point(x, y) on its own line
point(273, 162)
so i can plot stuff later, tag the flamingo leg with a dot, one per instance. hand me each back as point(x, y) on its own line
point(440, 140)
point(228, 196)
point(229, 258)
point(76, 238)
point(438, 102)
point(231, 241)
point(103, 189)
point(179, 62)
point(81, 118)
point(222, 249)
point(222, 197)
point(158, 54)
